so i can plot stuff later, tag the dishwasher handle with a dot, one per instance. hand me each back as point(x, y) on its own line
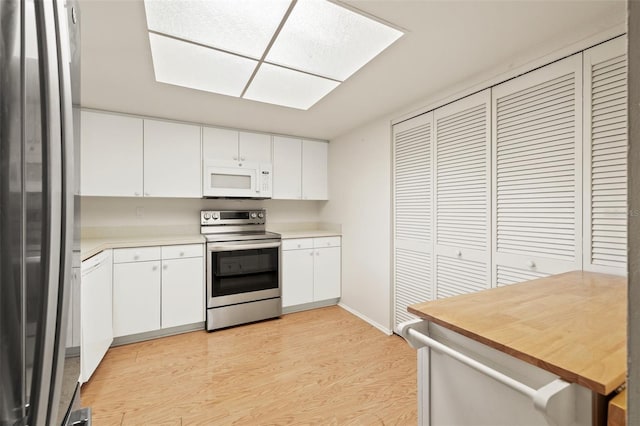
point(555, 400)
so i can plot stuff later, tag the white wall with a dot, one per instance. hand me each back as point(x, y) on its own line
point(122, 212)
point(359, 193)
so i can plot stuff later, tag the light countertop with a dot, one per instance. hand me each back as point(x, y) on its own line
point(313, 233)
point(572, 324)
point(93, 242)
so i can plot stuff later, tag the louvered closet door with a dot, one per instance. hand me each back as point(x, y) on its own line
point(413, 244)
point(537, 146)
point(605, 159)
point(462, 196)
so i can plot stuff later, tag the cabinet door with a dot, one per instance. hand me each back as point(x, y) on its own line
point(255, 147)
point(314, 170)
point(182, 291)
point(412, 211)
point(96, 312)
point(297, 277)
point(219, 144)
point(462, 189)
point(287, 168)
point(537, 144)
point(136, 297)
point(172, 164)
point(605, 158)
point(326, 273)
point(110, 155)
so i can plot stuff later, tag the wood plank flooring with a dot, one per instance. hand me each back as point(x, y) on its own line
point(324, 367)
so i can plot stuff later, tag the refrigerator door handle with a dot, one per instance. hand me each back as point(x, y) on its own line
point(50, 357)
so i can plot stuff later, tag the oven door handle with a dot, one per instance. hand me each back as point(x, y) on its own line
point(241, 246)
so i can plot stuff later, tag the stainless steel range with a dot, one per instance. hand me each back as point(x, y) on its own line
point(242, 268)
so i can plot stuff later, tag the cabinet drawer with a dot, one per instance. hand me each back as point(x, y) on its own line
point(186, 250)
point(326, 242)
point(297, 244)
point(136, 254)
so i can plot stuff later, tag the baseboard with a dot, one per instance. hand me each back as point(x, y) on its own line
point(150, 335)
point(385, 330)
point(311, 305)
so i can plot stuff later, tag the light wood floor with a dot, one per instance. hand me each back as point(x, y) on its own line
point(324, 366)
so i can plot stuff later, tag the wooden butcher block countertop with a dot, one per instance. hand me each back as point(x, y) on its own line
point(572, 324)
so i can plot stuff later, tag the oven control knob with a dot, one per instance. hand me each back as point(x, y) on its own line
point(253, 215)
point(260, 215)
point(206, 216)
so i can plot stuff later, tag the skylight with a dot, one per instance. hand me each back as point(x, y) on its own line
point(283, 52)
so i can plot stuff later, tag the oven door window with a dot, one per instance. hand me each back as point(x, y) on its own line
point(243, 271)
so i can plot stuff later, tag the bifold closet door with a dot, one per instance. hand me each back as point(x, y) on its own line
point(412, 190)
point(605, 158)
point(462, 191)
point(537, 149)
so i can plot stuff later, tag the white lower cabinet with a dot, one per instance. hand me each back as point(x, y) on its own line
point(311, 270)
point(326, 273)
point(157, 287)
point(136, 297)
point(182, 291)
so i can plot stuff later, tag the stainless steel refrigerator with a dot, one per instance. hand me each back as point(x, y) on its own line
point(38, 211)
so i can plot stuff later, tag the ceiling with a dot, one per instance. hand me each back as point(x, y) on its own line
point(447, 43)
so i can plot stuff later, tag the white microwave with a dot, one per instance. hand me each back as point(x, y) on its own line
point(232, 179)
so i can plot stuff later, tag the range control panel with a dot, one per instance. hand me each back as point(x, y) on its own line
point(232, 217)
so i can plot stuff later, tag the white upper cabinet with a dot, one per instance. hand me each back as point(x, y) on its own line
point(300, 169)
point(605, 158)
point(219, 144)
point(111, 155)
point(412, 213)
point(133, 157)
point(254, 147)
point(314, 170)
point(462, 193)
point(287, 168)
point(172, 165)
point(232, 145)
point(537, 175)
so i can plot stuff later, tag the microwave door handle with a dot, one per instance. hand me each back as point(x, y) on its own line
point(235, 247)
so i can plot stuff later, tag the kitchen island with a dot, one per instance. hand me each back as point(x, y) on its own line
point(566, 332)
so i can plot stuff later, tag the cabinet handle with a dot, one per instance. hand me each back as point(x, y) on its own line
point(235, 157)
point(317, 253)
point(181, 253)
point(241, 158)
point(146, 194)
point(164, 267)
point(311, 254)
point(459, 253)
point(532, 264)
point(137, 194)
point(155, 268)
point(136, 256)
